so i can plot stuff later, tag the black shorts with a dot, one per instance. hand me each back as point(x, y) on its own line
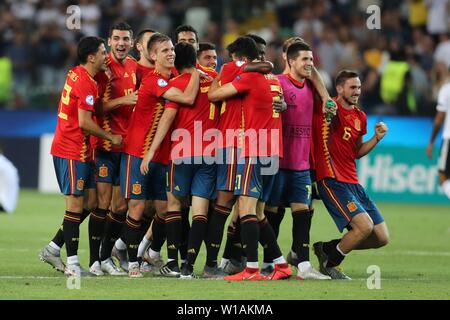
point(444, 158)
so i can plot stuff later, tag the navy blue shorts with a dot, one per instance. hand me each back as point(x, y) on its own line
point(91, 183)
point(136, 186)
point(192, 177)
point(346, 200)
point(255, 177)
point(108, 166)
point(226, 168)
point(72, 175)
point(290, 186)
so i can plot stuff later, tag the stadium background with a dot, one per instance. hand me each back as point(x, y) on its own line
point(36, 50)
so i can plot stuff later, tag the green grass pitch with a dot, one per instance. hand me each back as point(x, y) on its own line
point(415, 265)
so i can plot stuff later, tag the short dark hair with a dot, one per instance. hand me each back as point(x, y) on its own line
point(294, 49)
point(290, 41)
point(203, 46)
point(121, 25)
point(185, 28)
point(141, 34)
point(88, 46)
point(244, 47)
point(156, 38)
point(185, 56)
point(344, 75)
point(138, 39)
point(257, 38)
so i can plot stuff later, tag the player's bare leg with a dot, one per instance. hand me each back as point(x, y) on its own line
point(332, 253)
point(377, 239)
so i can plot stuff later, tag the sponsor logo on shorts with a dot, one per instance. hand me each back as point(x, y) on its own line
point(137, 188)
point(103, 171)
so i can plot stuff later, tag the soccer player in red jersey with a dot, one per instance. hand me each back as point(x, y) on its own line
point(136, 188)
point(261, 149)
point(186, 33)
point(336, 147)
point(191, 172)
point(118, 100)
point(207, 55)
point(71, 147)
point(230, 122)
point(145, 64)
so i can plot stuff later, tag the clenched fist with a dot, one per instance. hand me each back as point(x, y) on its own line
point(380, 130)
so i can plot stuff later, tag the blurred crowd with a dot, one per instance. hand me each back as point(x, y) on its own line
point(402, 62)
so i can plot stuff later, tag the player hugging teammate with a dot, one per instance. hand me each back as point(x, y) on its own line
point(141, 144)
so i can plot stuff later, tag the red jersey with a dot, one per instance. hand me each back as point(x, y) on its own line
point(335, 144)
point(231, 110)
point(145, 118)
point(260, 123)
point(196, 119)
point(141, 73)
point(121, 81)
point(80, 92)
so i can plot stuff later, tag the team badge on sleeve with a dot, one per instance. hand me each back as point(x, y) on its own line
point(162, 83)
point(90, 100)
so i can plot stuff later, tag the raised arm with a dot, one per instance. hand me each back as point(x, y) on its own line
point(364, 148)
